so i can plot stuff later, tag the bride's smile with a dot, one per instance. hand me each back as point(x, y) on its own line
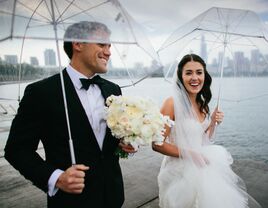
point(193, 77)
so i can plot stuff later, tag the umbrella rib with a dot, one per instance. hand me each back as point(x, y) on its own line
point(218, 37)
point(71, 40)
point(172, 64)
point(219, 17)
point(238, 44)
point(214, 47)
point(258, 48)
point(165, 45)
point(133, 34)
point(13, 19)
point(34, 10)
point(128, 21)
point(40, 25)
point(241, 19)
point(162, 48)
point(60, 14)
point(22, 47)
point(16, 15)
point(129, 74)
point(67, 7)
point(84, 10)
point(134, 83)
point(6, 38)
point(233, 41)
point(232, 33)
point(50, 12)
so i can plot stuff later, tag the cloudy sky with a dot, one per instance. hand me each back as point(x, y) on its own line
point(154, 14)
point(159, 18)
point(178, 12)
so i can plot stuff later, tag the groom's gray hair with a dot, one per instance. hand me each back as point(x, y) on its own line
point(85, 31)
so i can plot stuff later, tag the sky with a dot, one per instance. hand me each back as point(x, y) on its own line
point(159, 18)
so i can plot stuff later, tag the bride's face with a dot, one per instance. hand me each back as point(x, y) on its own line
point(193, 77)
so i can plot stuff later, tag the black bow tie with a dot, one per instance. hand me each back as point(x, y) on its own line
point(87, 82)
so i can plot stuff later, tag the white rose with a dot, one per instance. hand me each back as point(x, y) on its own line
point(146, 131)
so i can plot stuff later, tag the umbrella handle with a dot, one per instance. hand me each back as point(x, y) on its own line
point(72, 151)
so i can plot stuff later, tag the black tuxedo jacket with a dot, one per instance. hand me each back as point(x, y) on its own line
point(41, 116)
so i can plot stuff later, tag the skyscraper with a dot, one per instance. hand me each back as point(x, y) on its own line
point(203, 49)
point(255, 57)
point(11, 59)
point(50, 57)
point(34, 61)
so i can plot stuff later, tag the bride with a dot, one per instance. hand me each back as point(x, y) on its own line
point(196, 173)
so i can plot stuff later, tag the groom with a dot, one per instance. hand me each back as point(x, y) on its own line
point(96, 181)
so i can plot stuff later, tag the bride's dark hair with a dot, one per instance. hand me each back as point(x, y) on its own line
point(204, 96)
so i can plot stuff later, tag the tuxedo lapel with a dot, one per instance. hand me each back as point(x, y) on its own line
point(104, 87)
point(77, 115)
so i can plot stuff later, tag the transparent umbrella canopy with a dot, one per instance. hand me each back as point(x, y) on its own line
point(233, 43)
point(30, 26)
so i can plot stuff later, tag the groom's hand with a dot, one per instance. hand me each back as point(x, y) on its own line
point(72, 179)
point(127, 148)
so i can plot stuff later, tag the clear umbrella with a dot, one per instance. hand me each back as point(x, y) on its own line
point(233, 43)
point(28, 26)
point(47, 20)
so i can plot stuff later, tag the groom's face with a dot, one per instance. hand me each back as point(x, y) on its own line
point(96, 56)
point(193, 77)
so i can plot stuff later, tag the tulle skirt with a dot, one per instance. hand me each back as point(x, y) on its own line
point(183, 185)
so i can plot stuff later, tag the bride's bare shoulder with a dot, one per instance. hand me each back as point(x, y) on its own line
point(169, 102)
point(168, 107)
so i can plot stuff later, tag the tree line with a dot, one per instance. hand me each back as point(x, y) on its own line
point(10, 72)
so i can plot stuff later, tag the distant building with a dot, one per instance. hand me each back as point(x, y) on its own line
point(255, 57)
point(50, 57)
point(203, 49)
point(242, 63)
point(11, 59)
point(34, 61)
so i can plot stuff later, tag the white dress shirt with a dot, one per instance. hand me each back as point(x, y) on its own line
point(93, 104)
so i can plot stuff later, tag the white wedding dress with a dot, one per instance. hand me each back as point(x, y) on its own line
point(183, 185)
point(202, 176)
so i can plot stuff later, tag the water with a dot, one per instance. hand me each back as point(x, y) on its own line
point(244, 101)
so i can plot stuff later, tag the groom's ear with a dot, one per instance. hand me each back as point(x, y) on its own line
point(77, 46)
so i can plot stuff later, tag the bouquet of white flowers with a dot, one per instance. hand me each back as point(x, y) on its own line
point(135, 120)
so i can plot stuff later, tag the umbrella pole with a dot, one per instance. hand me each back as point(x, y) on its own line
point(20, 68)
point(221, 67)
point(63, 89)
point(221, 76)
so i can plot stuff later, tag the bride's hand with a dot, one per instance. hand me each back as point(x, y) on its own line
point(217, 116)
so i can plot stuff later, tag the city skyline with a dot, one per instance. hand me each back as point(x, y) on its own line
point(256, 60)
point(240, 62)
point(49, 59)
